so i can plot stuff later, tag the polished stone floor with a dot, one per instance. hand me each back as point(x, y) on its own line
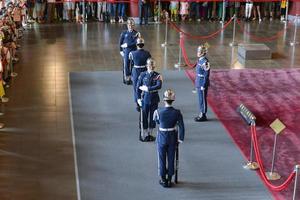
point(36, 151)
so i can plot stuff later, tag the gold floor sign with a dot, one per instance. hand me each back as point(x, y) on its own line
point(277, 126)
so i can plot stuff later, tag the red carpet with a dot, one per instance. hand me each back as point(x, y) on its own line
point(269, 94)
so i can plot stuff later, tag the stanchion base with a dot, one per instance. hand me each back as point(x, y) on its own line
point(294, 43)
point(14, 74)
point(179, 65)
point(233, 44)
point(251, 166)
point(164, 44)
point(272, 176)
point(4, 99)
point(1, 125)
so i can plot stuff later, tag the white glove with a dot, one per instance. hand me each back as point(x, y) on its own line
point(144, 88)
point(122, 53)
point(180, 141)
point(139, 101)
point(202, 88)
point(124, 45)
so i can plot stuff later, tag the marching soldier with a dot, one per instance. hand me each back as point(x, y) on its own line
point(127, 44)
point(168, 119)
point(139, 62)
point(149, 82)
point(202, 81)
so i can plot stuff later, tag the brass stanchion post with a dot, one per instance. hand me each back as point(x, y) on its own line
point(233, 43)
point(251, 164)
point(166, 31)
point(179, 64)
point(297, 167)
point(294, 42)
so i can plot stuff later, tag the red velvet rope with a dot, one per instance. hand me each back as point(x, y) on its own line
point(185, 57)
point(197, 37)
point(261, 39)
point(281, 187)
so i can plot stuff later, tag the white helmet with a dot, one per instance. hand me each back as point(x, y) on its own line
point(202, 49)
point(169, 95)
point(151, 62)
point(140, 41)
point(130, 21)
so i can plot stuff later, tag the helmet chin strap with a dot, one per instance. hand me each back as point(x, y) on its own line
point(150, 70)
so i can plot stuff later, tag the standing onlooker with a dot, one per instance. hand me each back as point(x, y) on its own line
point(121, 12)
point(194, 11)
point(282, 10)
point(248, 10)
point(257, 6)
point(102, 11)
point(69, 7)
point(144, 11)
point(30, 8)
point(50, 10)
point(39, 10)
point(112, 10)
point(59, 10)
point(174, 5)
point(184, 10)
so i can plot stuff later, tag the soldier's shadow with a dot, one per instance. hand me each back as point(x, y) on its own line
point(191, 185)
point(199, 185)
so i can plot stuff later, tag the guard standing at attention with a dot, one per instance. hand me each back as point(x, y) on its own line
point(168, 119)
point(127, 44)
point(149, 83)
point(138, 61)
point(202, 81)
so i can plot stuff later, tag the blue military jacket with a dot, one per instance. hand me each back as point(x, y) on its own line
point(153, 81)
point(169, 117)
point(139, 57)
point(130, 38)
point(202, 73)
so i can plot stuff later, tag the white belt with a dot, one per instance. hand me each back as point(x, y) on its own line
point(142, 66)
point(200, 75)
point(167, 129)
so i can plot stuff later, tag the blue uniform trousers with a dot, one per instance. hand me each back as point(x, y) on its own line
point(202, 97)
point(135, 73)
point(148, 110)
point(126, 64)
point(166, 145)
point(143, 13)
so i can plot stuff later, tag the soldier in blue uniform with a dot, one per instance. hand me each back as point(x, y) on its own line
point(168, 119)
point(202, 82)
point(127, 44)
point(138, 61)
point(148, 85)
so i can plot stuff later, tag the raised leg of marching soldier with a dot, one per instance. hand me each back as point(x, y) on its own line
point(126, 68)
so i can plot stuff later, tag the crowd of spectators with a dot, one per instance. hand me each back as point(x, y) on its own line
point(111, 11)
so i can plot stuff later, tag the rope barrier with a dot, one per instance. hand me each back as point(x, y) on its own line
point(261, 39)
point(197, 37)
point(185, 57)
point(281, 187)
